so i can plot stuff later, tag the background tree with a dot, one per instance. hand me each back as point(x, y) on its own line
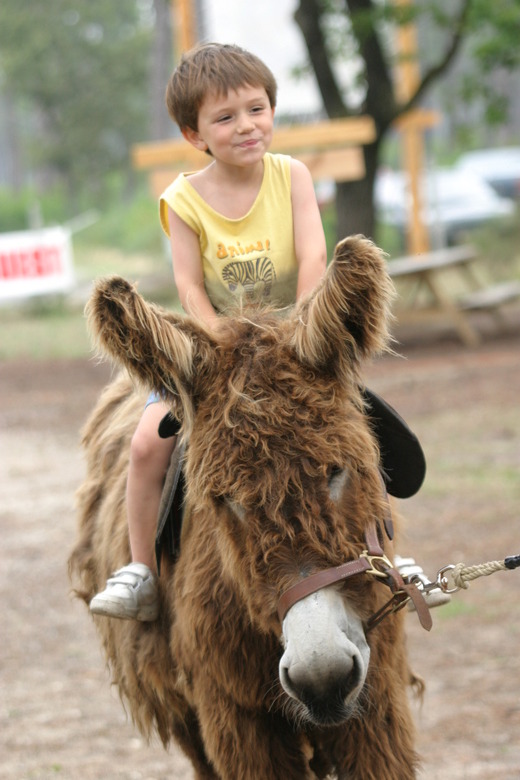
point(365, 29)
point(76, 75)
point(160, 126)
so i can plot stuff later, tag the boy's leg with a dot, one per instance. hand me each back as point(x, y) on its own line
point(131, 593)
point(149, 459)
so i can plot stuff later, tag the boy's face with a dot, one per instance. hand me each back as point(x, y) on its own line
point(237, 128)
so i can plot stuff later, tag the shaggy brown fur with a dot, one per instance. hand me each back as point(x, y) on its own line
point(270, 406)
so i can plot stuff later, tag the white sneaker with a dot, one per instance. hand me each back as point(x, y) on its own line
point(130, 594)
point(410, 571)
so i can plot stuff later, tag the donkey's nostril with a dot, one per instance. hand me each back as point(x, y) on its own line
point(285, 679)
point(351, 680)
point(327, 701)
point(338, 680)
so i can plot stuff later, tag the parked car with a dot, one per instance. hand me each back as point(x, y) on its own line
point(498, 167)
point(453, 201)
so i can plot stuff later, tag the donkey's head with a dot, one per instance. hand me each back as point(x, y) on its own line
point(281, 457)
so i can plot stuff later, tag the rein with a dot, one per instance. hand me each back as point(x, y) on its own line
point(372, 562)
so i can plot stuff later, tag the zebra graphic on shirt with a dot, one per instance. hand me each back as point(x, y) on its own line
point(250, 279)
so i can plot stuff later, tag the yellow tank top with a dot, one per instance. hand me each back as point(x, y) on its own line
point(251, 259)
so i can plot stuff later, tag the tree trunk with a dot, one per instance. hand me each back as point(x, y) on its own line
point(308, 18)
point(355, 199)
point(161, 67)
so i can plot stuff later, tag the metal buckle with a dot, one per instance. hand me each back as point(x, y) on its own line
point(441, 581)
point(381, 559)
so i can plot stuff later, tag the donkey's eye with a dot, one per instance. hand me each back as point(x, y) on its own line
point(334, 471)
point(237, 509)
point(337, 477)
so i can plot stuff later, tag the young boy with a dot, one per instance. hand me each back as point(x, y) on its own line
point(247, 227)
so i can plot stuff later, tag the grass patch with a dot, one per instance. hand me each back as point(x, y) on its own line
point(130, 226)
point(28, 333)
point(92, 262)
point(456, 608)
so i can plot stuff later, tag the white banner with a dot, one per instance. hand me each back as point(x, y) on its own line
point(35, 262)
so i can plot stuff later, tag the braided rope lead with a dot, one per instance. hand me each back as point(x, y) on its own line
point(461, 574)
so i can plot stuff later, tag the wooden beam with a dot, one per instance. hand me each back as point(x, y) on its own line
point(337, 133)
point(153, 155)
point(350, 131)
point(335, 164)
point(418, 119)
point(347, 164)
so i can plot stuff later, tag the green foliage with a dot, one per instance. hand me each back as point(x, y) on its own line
point(499, 246)
point(494, 33)
point(391, 239)
point(78, 73)
point(128, 224)
point(328, 218)
point(491, 47)
point(14, 209)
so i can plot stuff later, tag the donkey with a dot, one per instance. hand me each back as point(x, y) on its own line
point(256, 675)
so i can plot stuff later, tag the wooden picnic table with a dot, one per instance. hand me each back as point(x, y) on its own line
point(429, 296)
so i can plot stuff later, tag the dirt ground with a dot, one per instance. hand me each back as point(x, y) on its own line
point(59, 717)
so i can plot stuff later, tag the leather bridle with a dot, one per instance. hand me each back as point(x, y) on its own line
point(372, 562)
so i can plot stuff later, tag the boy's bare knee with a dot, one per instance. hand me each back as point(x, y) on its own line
point(144, 447)
point(149, 454)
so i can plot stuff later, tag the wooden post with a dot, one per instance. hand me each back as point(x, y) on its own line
point(184, 26)
point(413, 139)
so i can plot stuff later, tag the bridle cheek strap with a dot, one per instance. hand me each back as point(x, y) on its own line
point(318, 581)
point(372, 561)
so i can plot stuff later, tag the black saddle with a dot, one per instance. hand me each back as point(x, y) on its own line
point(403, 468)
point(403, 463)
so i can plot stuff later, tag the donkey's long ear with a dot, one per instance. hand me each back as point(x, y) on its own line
point(159, 348)
point(351, 306)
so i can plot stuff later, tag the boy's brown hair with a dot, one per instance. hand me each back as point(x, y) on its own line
point(213, 68)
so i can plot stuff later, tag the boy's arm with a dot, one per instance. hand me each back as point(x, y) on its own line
point(187, 271)
point(309, 238)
